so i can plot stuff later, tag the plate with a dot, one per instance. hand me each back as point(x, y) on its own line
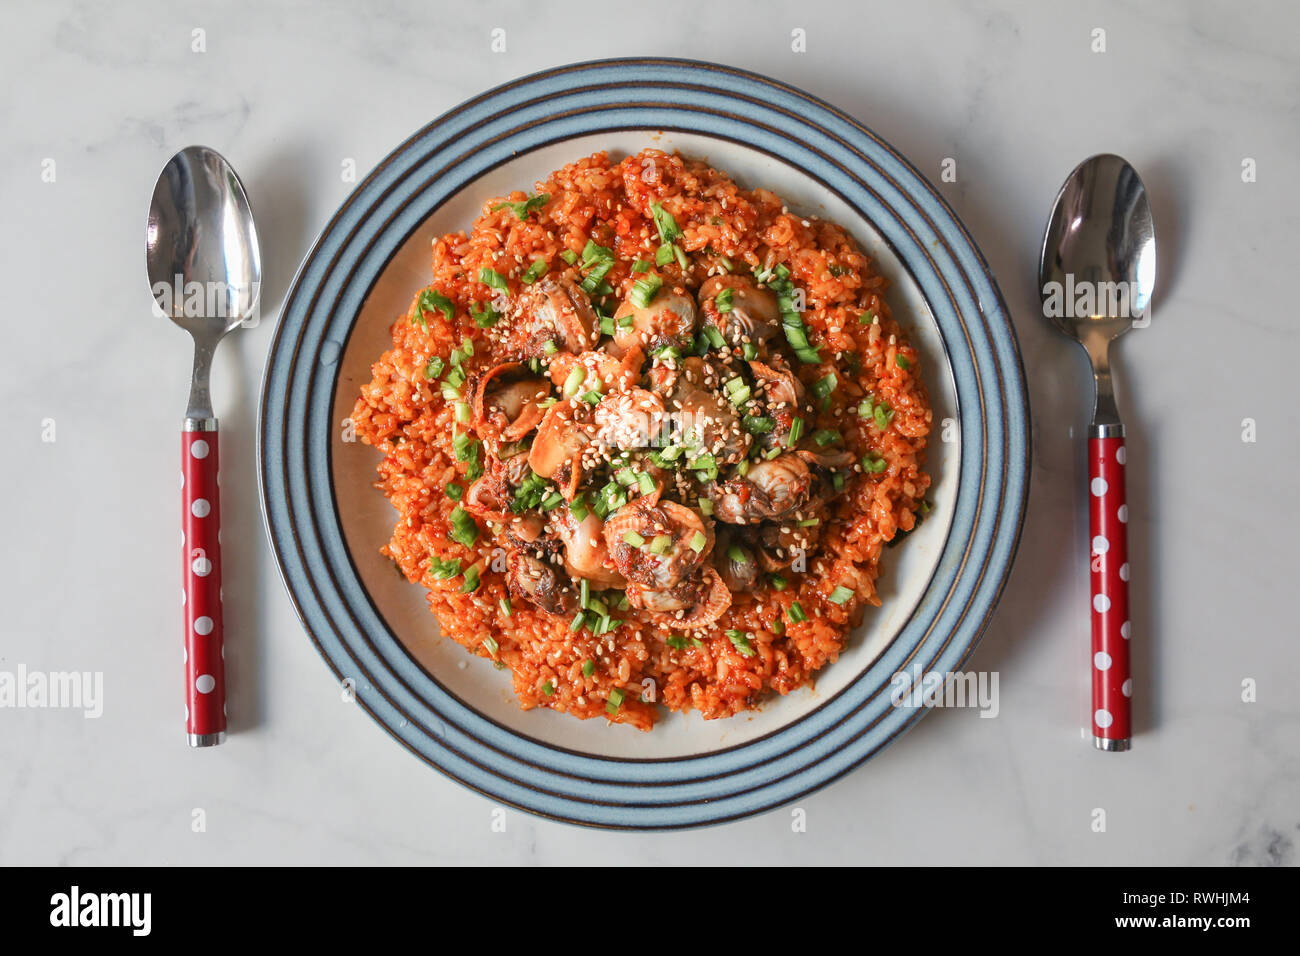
point(326, 522)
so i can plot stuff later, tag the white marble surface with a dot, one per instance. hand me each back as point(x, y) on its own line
point(1012, 91)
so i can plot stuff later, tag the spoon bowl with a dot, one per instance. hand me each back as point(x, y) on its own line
point(1099, 251)
point(204, 262)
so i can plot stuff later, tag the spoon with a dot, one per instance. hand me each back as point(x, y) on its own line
point(1096, 276)
point(205, 271)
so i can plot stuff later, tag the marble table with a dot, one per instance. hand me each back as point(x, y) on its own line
point(1014, 93)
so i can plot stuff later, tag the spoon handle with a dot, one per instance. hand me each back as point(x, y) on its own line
point(205, 670)
point(1112, 683)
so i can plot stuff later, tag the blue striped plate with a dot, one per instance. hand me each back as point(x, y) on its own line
point(326, 523)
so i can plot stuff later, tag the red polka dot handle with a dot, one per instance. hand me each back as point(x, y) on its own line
point(1112, 682)
point(205, 677)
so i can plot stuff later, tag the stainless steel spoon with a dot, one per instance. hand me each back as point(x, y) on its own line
point(1096, 276)
point(205, 272)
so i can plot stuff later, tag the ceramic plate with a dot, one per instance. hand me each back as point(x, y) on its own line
point(326, 521)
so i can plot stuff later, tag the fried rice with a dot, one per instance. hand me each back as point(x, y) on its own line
point(629, 663)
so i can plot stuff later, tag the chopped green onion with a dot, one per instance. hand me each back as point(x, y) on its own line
point(743, 467)
point(796, 612)
point(431, 300)
point(633, 539)
point(682, 261)
point(588, 667)
point(597, 606)
point(577, 375)
point(494, 279)
point(698, 541)
point(615, 701)
point(490, 642)
point(578, 508)
point(741, 643)
point(837, 480)
point(644, 290)
point(883, 415)
point(624, 321)
point(826, 436)
point(434, 368)
point(552, 501)
point(706, 506)
point(810, 522)
point(778, 582)
point(757, 424)
point(456, 377)
point(726, 263)
point(645, 483)
point(592, 397)
point(595, 279)
point(444, 569)
point(841, 595)
point(866, 408)
point(535, 271)
point(715, 337)
point(584, 592)
point(772, 453)
point(665, 223)
point(569, 256)
point(522, 209)
point(506, 609)
point(548, 688)
point(796, 432)
point(579, 619)
point(664, 254)
point(676, 642)
point(824, 386)
point(740, 396)
point(737, 554)
point(640, 265)
point(723, 300)
point(462, 412)
point(471, 580)
point(778, 626)
point(873, 464)
point(749, 352)
point(607, 325)
point(455, 491)
point(486, 317)
point(593, 252)
point(463, 529)
point(661, 544)
point(671, 453)
point(902, 362)
point(625, 476)
point(866, 318)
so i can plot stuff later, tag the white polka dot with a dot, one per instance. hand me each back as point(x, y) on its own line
point(203, 625)
point(202, 567)
point(1100, 545)
point(187, 713)
point(1123, 630)
point(1099, 486)
point(1101, 660)
point(1101, 603)
point(184, 597)
point(1122, 514)
point(199, 449)
point(182, 479)
point(200, 508)
point(1102, 719)
point(182, 537)
point(1123, 571)
point(185, 655)
point(1127, 688)
point(1121, 454)
point(205, 683)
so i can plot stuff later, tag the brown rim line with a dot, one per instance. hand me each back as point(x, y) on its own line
point(851, 176)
